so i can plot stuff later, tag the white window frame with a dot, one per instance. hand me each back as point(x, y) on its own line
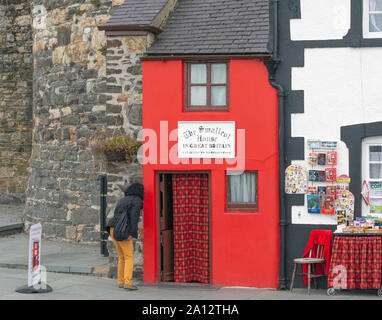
point(366, 22)
point(366, 144)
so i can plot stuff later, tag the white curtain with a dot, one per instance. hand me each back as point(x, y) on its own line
point(218, 96)
point(198, 73)
point(242, 188)
point(375, 171)
point(218, 73)
point(373, 7)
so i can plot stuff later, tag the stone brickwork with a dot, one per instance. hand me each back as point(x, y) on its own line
point(16, 68)
point(62, 81)
point(124, 113)
point(69, 107)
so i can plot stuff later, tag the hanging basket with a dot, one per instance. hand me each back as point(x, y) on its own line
point(115, 156)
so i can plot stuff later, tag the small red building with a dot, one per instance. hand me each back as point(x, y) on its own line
point(210, 126)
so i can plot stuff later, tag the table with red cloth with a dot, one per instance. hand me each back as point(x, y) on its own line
point(360, 255)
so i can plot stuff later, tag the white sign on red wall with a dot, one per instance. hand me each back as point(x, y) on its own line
point(206, 139)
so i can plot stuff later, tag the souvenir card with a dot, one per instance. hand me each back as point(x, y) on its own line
point(343, 178)
point(330, 174)
point(331, 158)
point(329, 144)
point(341, 217)
point(314, 204)
point(327, 205)
point(296, 180)
point(313, 175)
point(321, 191)
point(314, 144)
point(321, 176)
point(365, 192)
point(345, 201)
point(341, 188)
point(321, 159)
point(331, 191)
point(312, 190)
point(313, 158)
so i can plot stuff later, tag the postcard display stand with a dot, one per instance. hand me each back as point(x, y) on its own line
point(327, 194)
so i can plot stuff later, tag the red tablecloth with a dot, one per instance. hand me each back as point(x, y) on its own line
point(360, 259)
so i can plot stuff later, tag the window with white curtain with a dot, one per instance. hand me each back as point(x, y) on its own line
point(206, 87)
point(372, 18)
point(372, 174)
point(242, 191)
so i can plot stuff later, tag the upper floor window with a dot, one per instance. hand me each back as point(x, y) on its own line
point(372, 18)
point(206, 86)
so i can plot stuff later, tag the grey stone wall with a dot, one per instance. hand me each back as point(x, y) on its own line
point(124, 114)
point(69, 107)
point(16, 68)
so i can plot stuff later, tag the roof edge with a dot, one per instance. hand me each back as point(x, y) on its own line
point(137, 27)
point(257, 56)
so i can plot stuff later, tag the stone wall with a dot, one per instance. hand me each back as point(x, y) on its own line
point(16, 70)
point(124, 114)
point(69, 108)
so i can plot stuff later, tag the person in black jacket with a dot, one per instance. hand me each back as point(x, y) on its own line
point(130, 205)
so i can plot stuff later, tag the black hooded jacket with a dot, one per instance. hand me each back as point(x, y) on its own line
point(131, 205)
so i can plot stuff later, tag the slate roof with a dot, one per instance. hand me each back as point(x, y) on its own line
point(215, 27)
point(135, 12)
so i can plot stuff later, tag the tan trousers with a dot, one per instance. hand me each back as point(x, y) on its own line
point(125, 251)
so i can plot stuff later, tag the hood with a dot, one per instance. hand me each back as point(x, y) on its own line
point(136, 189)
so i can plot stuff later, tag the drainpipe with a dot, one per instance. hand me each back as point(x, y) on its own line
point(103, 234)
point(272, 67)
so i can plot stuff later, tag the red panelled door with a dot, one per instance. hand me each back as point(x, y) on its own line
point(191, 227)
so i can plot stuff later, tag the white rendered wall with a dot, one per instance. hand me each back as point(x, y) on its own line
point(342, 86)
point(321, 20)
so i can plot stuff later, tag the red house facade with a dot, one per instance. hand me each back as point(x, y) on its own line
point(210, 159)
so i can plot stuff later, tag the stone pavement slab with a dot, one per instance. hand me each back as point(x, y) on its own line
point(55, 256)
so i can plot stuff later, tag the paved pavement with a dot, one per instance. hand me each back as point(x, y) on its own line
point(80, 287)
point(77, 272)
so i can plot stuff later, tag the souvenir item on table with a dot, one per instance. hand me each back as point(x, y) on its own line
point(321, 159)
point(365, 192)
point(341, 217)
point(312, 190)
point(345, 201)
point(343, 178)
point(313, 158)
point(313, 175)
point(321, 176)
point(321, 191)
point(314, 204)
point(328, 144)
point(327, 205)
point(331, 191)
point(330, 174)
point(314, 144)
point(360, 221)
point(296, 180)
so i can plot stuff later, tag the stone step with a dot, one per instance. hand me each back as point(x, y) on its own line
point(11, 229)
point(100, 271)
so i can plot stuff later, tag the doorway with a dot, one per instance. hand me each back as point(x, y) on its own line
point(184, 241)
